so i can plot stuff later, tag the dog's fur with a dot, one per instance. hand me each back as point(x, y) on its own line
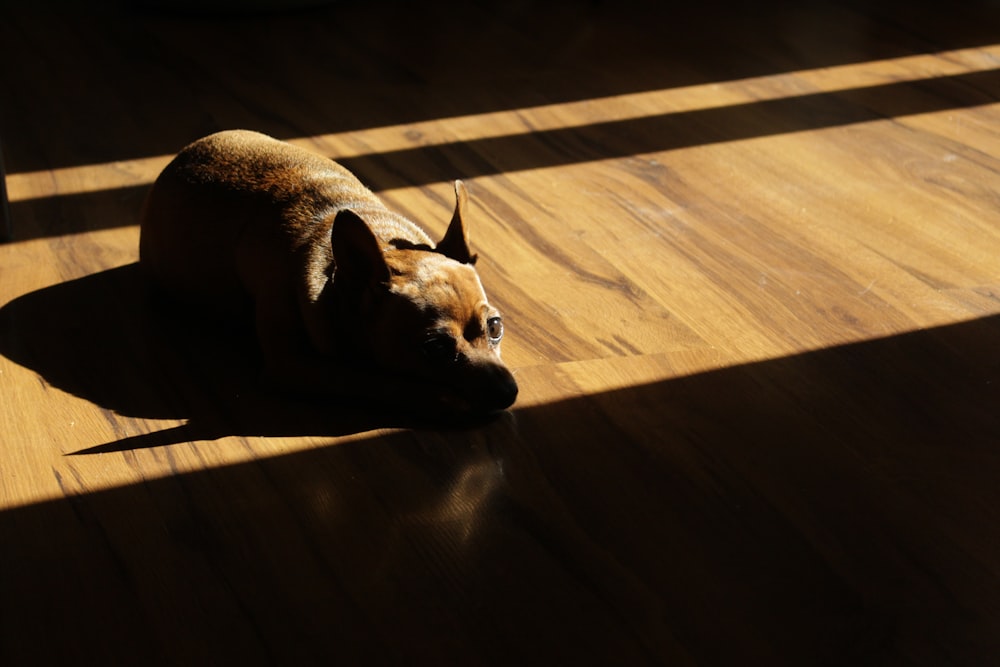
point(350, 298)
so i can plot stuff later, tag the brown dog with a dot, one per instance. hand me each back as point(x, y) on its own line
point(350, 298)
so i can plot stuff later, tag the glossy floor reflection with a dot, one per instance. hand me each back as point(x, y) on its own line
point(747, 259)
point(812, 509)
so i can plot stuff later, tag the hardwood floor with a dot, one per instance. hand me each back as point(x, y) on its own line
point(748, 260)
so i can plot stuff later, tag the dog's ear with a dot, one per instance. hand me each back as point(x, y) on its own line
point(356, 252)
point(455, 243)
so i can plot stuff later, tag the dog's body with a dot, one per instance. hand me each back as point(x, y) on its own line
point(350, 298)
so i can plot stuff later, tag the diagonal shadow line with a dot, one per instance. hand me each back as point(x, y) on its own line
point(821, 508)
point(672, 131)
point(424, 165)
point(645, 40)
point(6, 230)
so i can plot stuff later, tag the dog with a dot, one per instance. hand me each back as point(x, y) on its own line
point(349, 298)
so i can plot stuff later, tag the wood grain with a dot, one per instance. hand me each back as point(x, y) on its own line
point(748, 261)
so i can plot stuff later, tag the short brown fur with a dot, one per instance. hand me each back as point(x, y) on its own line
point(350, 298)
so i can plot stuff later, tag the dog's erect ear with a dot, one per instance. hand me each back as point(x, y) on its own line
point(455, 243)
point(356, 252)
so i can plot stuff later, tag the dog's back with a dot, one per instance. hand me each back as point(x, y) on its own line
point(238, 204)
point(347, 296)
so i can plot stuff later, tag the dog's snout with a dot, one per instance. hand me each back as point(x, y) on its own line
point(501, 390)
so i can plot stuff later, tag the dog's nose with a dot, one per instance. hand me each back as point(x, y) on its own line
point(500, 391)
point(507, 393)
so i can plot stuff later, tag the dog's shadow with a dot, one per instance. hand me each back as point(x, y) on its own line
point(108, 339)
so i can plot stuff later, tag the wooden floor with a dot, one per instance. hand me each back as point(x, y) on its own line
point(750, 267)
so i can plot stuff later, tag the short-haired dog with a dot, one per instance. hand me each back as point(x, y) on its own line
point(350, 298)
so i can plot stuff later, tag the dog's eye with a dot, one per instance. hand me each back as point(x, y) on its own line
point(494, 329)
point(440, 348)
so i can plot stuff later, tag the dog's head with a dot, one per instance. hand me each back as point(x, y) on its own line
point(422, 311)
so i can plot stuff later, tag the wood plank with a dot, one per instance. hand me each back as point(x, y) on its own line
point(747, 258)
